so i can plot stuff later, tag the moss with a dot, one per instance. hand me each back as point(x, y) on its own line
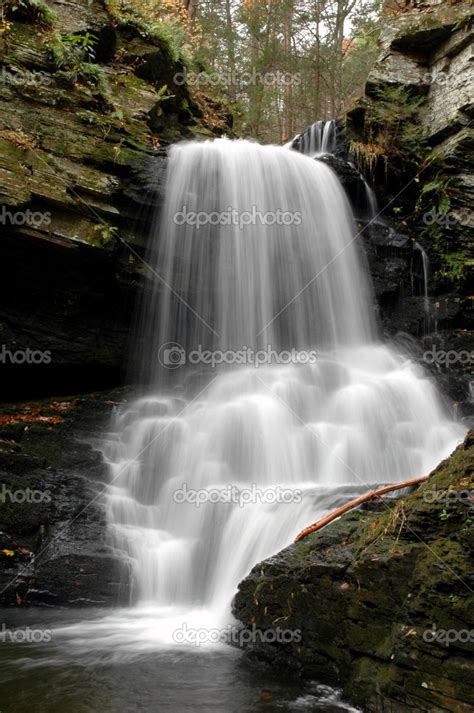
point(364, 589)
point(37, 12)
point(168, 34)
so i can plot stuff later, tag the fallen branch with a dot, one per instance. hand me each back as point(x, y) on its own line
point(372, 495)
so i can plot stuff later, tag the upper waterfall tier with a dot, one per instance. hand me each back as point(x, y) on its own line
point(256, 246)
point(319, 138)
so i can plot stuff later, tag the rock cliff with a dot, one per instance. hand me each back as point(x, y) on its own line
point(383, 600)
point(412, 136)
point(88, 104)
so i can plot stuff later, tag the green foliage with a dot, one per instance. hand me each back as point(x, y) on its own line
point(465, 21)
point(439, 185)
point(117, 114)
point(168, 32)
point(38, 10)
point(105, 235)
point(393, 122)
point(393, 131)
point(397, 102)
point(444, 515)
point(163, 95)
point(73, 57)
point(437, 195)
point(303, 61)
point(456, 266)
point(68, 51)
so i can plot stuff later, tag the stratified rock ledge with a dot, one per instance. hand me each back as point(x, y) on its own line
point(384, 601)
point(54, 549)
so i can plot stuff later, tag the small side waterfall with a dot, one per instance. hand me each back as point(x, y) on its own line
point(426, 277)
point(371, 201)
point(319, 138)
point(196, 463)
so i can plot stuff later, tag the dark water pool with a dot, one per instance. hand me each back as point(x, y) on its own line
point(55, 676)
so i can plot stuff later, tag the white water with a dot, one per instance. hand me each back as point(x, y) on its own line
point(426, 278)
point(319, 138)
point(360, 414)
point(371, 201)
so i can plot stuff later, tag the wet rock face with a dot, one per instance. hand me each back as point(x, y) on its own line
point(375, 597)
point(80, 170)
point(53, 543)
point(64, 318)
point(351, 181)
point(422, 175)
point(394, 260)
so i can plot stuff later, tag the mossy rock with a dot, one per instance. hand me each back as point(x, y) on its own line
point(366, 590)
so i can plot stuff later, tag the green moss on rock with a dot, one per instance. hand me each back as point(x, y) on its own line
point(367, 590)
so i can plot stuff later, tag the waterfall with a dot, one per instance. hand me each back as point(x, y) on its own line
point(371, 201)
point(270, 399)
point(240, 272)
point(256, 255)
point(319, 138)
point(426, 276)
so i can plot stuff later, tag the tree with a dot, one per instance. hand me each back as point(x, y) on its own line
point(298, 60)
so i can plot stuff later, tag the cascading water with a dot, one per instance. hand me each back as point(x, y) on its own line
point(426, 276)
point(320, 138)
point(372, 208)
point(272, 267)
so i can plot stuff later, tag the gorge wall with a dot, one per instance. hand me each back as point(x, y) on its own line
point(412, 136)
point(377, 594)
point(82, 148)
point(80, 143)
point(83, 144)
point(379, 597)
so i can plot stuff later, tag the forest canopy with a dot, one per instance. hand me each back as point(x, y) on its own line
point(277, 64)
